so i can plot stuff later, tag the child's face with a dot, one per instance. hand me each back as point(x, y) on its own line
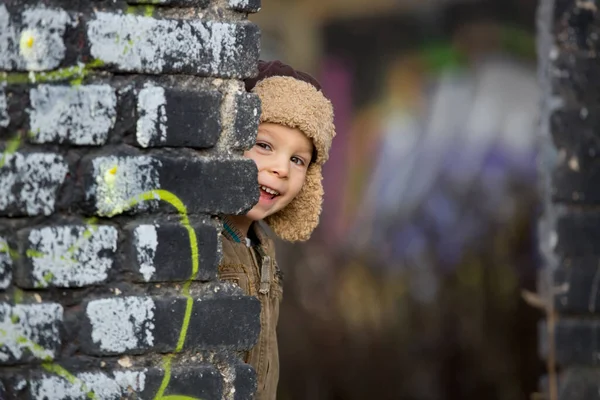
point(282, 156)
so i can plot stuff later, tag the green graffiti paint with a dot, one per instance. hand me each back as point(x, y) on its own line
point(82, 239)
point(11, 147)
point(12, 253)
point(165, 383)
point(48, 276)
point(18, 295)
point(146, 11)
point(166, 377)
point(74, 74)
point(37, 350)
point(72, 379)
point(34, 253)
point(176, 203)
point(181, 209)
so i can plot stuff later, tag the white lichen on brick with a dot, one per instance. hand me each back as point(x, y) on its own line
point(121, 324)
point(8, 42)
point(21, 384)
point(152, 122)
point(5, 264)
point(81, 115)
point(146, 242)
point(104, 386)
point(219, 39)
point(4, 117)
point(119, 181)
point(144, 44)
point(47, 27)
point(29, 328)
point(71, 255)
point(238, 3)
point(37, 43)
point(30, 182)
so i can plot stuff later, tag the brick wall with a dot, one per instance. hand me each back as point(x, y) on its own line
point(122, 126)
point(569, 40)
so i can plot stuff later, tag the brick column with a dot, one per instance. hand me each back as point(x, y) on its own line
point(122, 126)
point(569, 39)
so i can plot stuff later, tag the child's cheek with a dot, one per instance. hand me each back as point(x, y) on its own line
point(251, 154)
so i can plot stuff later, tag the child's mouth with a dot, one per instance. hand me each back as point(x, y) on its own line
point(268, 192)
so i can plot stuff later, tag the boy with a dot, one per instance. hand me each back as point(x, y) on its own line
point(292, 143)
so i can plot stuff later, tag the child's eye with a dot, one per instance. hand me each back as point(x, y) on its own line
point(263, 145)
point(297, 160)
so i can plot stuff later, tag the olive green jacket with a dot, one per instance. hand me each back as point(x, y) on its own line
point(255, 271)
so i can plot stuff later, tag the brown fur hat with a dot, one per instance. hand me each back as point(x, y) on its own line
point(294, 99)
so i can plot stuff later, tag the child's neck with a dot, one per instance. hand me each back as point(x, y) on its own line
point(241, 223)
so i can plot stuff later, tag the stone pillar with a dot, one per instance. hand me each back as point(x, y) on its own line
point(122, 127)
point(568, 42)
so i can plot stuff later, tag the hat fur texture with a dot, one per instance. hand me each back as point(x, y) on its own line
point(298, 104)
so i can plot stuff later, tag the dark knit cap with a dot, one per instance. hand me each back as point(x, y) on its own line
point(267, 69)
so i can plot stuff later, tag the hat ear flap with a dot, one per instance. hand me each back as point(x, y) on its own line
point(298, 219)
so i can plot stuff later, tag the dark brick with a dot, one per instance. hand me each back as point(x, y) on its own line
point(578, 233)
point(215, 186)
point(578, 132)
point(228, 321)
point(201, 383)
point(156, 46)
point(245, 382)
point(65, 255)
point(182, 3)
point(161, 251)
point(579, 384)
point(246, 121)
point(35, 332)
point(577, 341)
point(154, 323)
point(203, 184)
point(572, 183)
point(249, 6)
point(193, 380)
point(577, 282)
point(577, 25)
point(575, 78)
point(191, 118)
point(30, 182)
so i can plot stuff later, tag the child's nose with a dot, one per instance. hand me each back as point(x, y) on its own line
point(281, 167)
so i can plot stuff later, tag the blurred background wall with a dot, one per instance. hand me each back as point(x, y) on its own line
point(411, 287)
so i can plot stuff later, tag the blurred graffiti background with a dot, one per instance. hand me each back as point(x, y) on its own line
point(411, 287)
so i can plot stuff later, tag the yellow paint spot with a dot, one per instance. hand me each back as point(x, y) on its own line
point(26, 42)
point(110, 176)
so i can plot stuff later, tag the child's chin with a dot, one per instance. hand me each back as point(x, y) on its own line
point(257, 214)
